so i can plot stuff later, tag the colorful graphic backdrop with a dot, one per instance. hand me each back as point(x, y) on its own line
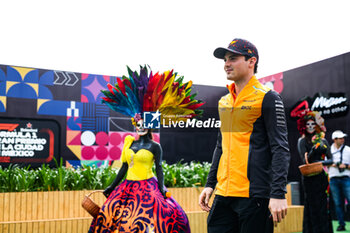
point(90, 132)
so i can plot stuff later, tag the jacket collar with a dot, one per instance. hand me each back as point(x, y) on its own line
point(231, 87)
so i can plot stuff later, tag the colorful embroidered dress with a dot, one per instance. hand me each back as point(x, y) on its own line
point(137, 205)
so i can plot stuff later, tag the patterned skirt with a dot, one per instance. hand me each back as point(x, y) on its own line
point(138, 206)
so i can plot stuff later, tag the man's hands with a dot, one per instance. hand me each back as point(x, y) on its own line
point(204, 199)
point(342, 165)
point(278, 209)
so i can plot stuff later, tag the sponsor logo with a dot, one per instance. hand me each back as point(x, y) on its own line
point(323, 102)
point(151, 120)
point(192, 123)
point(246, 107)
point(249, 101)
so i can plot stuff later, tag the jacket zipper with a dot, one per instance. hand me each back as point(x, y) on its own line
point(229, 147)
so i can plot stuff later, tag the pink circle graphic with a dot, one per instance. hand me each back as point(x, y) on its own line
point(87, 153)
point(101, 153)
point(115, 139)
point(101, 138)
point(278, 85)
point(115, 153)
point(156, 137)
point(84, 99)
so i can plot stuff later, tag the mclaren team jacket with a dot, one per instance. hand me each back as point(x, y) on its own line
point(251, 158)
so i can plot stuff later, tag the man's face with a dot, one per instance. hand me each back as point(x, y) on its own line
point(310, 126)
point(236, 67)
point(339, 141)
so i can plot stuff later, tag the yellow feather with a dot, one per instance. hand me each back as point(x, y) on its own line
point(189, 85)
point(170, 81)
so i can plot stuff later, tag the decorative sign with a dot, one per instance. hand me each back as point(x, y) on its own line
point(330, 105)
point(28, 141)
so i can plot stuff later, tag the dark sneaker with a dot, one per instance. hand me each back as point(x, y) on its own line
point(341, 228)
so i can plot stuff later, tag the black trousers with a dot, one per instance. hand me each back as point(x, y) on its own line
point(240, 215)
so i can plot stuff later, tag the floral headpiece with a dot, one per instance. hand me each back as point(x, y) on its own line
point(320, 129)
point(164, 92)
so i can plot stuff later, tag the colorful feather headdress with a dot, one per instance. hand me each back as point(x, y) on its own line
point(166, 93)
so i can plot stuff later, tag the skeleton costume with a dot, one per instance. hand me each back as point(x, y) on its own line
point(316, 214)
point(140, 203)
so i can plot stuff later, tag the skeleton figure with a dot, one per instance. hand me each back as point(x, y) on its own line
point(310, 126)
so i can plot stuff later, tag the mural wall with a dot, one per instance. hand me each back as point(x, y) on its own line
point(87, 131)
point(82, 130)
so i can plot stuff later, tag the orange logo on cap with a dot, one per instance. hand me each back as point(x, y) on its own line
point(249, 51)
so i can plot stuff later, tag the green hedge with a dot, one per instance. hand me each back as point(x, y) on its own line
point(16, 179)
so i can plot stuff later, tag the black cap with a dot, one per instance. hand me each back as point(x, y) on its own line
point(238, 46)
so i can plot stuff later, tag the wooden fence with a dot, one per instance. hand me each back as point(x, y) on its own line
point(55, 211)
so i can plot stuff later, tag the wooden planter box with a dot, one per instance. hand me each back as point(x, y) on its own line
point(61, 212)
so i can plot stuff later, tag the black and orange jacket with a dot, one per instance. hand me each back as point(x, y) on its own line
point(251, 158)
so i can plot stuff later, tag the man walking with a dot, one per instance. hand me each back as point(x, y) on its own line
point(339, 174)
point(251, 158)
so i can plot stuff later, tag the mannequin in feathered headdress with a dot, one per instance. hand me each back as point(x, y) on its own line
point(140, 203)
point(313, 144)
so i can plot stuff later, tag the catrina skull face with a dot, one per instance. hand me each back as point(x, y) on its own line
point(140, 130)
point(310, 126)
